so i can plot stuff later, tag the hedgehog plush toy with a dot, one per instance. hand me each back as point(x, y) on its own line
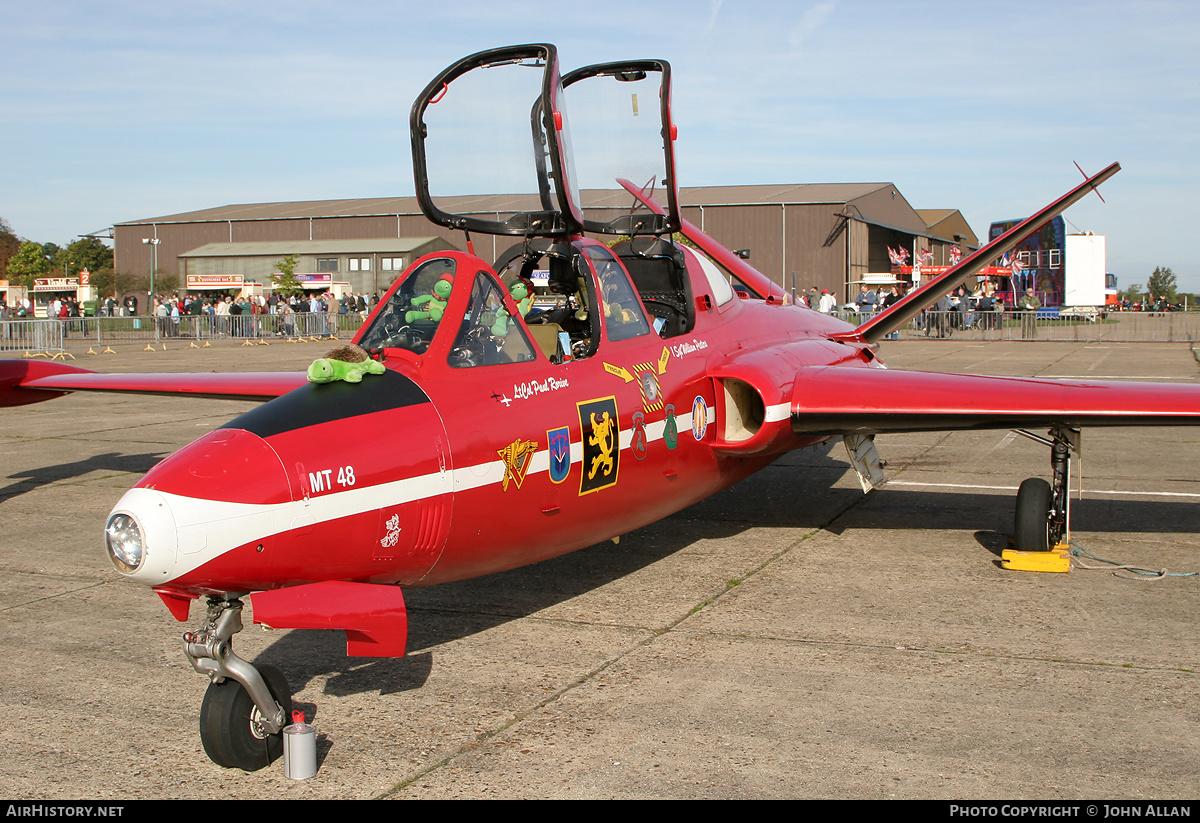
point(348, 363)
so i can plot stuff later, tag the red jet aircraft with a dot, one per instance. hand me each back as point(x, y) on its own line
point(501, 434)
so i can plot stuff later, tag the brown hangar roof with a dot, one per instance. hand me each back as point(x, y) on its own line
point(946, 224)
point(279, 248)
point(792, 193)
point(783, 194)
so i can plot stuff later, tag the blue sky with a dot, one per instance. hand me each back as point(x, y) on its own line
point(113, 111)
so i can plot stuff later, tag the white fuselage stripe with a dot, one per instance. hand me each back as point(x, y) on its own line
point(205, 529)
point(778, 412)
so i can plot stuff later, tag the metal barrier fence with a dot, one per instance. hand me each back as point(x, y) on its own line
point(31, 335)
point(79, 332)
point(1122, 327)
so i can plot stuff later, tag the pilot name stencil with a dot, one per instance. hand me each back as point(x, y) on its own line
point(530, 388)
point(696, 344)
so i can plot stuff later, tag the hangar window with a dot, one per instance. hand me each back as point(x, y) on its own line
point(327, 264)
point(360, 264)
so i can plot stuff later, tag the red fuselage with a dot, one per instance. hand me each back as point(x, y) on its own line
point(433, 472)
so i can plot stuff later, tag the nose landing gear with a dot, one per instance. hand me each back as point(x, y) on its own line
point(245, 708)
point(1043, 516)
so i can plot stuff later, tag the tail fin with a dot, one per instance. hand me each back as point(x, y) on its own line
point(914, 303)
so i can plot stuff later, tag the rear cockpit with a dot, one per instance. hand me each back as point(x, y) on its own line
point(659, 272)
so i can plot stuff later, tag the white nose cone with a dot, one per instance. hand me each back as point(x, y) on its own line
point(141, 537)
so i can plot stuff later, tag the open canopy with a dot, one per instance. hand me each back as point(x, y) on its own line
point(496, 123)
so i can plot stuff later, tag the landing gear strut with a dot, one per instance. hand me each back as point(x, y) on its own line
point(245, 708)
point(1043, 518)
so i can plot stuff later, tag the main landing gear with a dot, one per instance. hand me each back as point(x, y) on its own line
point(245, 708)
point(1043, 518)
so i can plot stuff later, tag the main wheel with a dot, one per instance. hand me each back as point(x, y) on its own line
point(229, 723)
point(1031, 528)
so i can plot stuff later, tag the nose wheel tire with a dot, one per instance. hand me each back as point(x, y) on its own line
point(229, 723)
point(1031, 528)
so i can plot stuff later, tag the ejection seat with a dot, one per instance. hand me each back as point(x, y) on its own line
point(660, 276)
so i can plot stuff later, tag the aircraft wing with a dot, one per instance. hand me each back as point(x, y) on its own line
point(32, 381)
point(829, 400)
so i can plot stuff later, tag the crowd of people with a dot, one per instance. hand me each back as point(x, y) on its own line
point(221, 311)
point(168, 311)
point(68, 310)
point(868, 301)
point(957, 309)
point(1151, 304)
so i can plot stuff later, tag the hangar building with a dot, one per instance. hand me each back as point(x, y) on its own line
point(828, 235)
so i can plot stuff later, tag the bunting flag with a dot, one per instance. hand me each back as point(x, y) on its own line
point(1017, 268)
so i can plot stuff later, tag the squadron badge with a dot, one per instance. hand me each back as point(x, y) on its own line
point(601, 444)
point(699, 418)
point(516, 456)
point(671, 430)
point(638, 444)
point(558, 443)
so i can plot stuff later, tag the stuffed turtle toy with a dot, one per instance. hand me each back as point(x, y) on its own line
point(346, 363)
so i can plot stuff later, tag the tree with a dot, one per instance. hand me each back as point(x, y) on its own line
point(29, 262)
point(286, 282)
point(1161, 283)
point(9, 243)
point(109, 282)
point(57, 256)
point(1134, 293)
point(88, 253)
point(165, 284)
